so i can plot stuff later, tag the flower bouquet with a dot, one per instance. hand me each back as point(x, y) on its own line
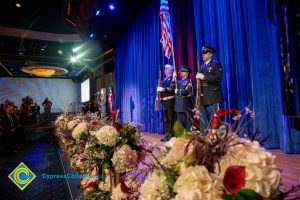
point(220, 165)
point(104, 148)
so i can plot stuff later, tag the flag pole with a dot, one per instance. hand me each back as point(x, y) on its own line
point(173, 57)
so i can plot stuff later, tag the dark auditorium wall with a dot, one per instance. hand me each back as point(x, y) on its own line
point(62, 92)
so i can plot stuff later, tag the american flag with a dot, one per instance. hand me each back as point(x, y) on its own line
point(166, 34)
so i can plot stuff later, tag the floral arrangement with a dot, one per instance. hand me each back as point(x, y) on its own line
point(104, 148)
point(224, 164)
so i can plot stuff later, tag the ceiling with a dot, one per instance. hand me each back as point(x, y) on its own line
point(43, 33)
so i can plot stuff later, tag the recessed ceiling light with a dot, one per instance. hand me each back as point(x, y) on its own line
point(42, 49)
point(111, 7)
point(18, 5)
point(20, 53)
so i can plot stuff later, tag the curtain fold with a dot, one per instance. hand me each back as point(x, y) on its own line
point(248, 46)
point(138, 53)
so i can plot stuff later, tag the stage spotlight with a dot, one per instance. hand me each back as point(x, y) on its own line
point(97, 12)
point(74, 50)
point(18, 5)
point(111, 7)
point(91, 35)
point(73, 59)
point(81, 55)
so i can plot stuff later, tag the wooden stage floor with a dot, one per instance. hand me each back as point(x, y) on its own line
point(288, 163)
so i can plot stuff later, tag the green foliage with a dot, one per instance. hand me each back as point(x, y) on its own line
point(244, 194)
point(179, 131)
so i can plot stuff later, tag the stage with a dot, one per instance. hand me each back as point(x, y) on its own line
point(288, 163)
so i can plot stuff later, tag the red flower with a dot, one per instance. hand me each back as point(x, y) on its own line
point(221, 113)
point(96, 123)
point(118, 126)
point(91, 185)
point(234, 179)
point(124, 187)
point(215, 122)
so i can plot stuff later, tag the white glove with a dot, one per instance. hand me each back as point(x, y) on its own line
point(160, 89)
point(176, 91)
point(200, 76)
point(174, 73)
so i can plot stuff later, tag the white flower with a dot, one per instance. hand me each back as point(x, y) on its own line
point(155, 188)
point(105, 186)
point(195, 182)
point(71, 124)
point(79, 129)
point(117, 193)
point(106, 135)
point(262, 174)
point(124, 159)
point(177, 152)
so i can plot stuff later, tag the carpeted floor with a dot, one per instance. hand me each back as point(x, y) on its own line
point(41, 156)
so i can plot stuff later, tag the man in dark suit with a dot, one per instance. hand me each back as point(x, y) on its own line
point(211, 78)
point(168, 98)
point(9, 127)
point(183, 98)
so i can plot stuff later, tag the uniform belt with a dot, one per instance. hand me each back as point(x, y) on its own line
point(184, 96)
point(167, 98)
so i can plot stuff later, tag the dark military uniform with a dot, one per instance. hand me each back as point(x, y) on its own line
point(183, 102)
point(168, 98)
point(211, 95)
point(211, 85)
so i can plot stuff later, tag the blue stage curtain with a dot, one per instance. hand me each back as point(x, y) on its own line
point(247, 45)
point(138, 53)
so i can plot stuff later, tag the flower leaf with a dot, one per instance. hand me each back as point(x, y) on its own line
point(227, 196)
point(247, 194)
point(170, 180)
point(104, 166)
point(179, 131)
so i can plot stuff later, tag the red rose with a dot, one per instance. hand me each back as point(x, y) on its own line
point(234, 179)
point(215, 122)
point(118, 126)
point(124, 187)
point(221, 113)
point(91, 185)
point(96, 123)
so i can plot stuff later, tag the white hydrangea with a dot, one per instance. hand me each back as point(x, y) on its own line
point(106, 135)
point(195, 182)
point(155, 188)
point(177, 152)
point(117, 193)
point(79, 129)
point(71, 124)
point(124, 159)
point(262, 174)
